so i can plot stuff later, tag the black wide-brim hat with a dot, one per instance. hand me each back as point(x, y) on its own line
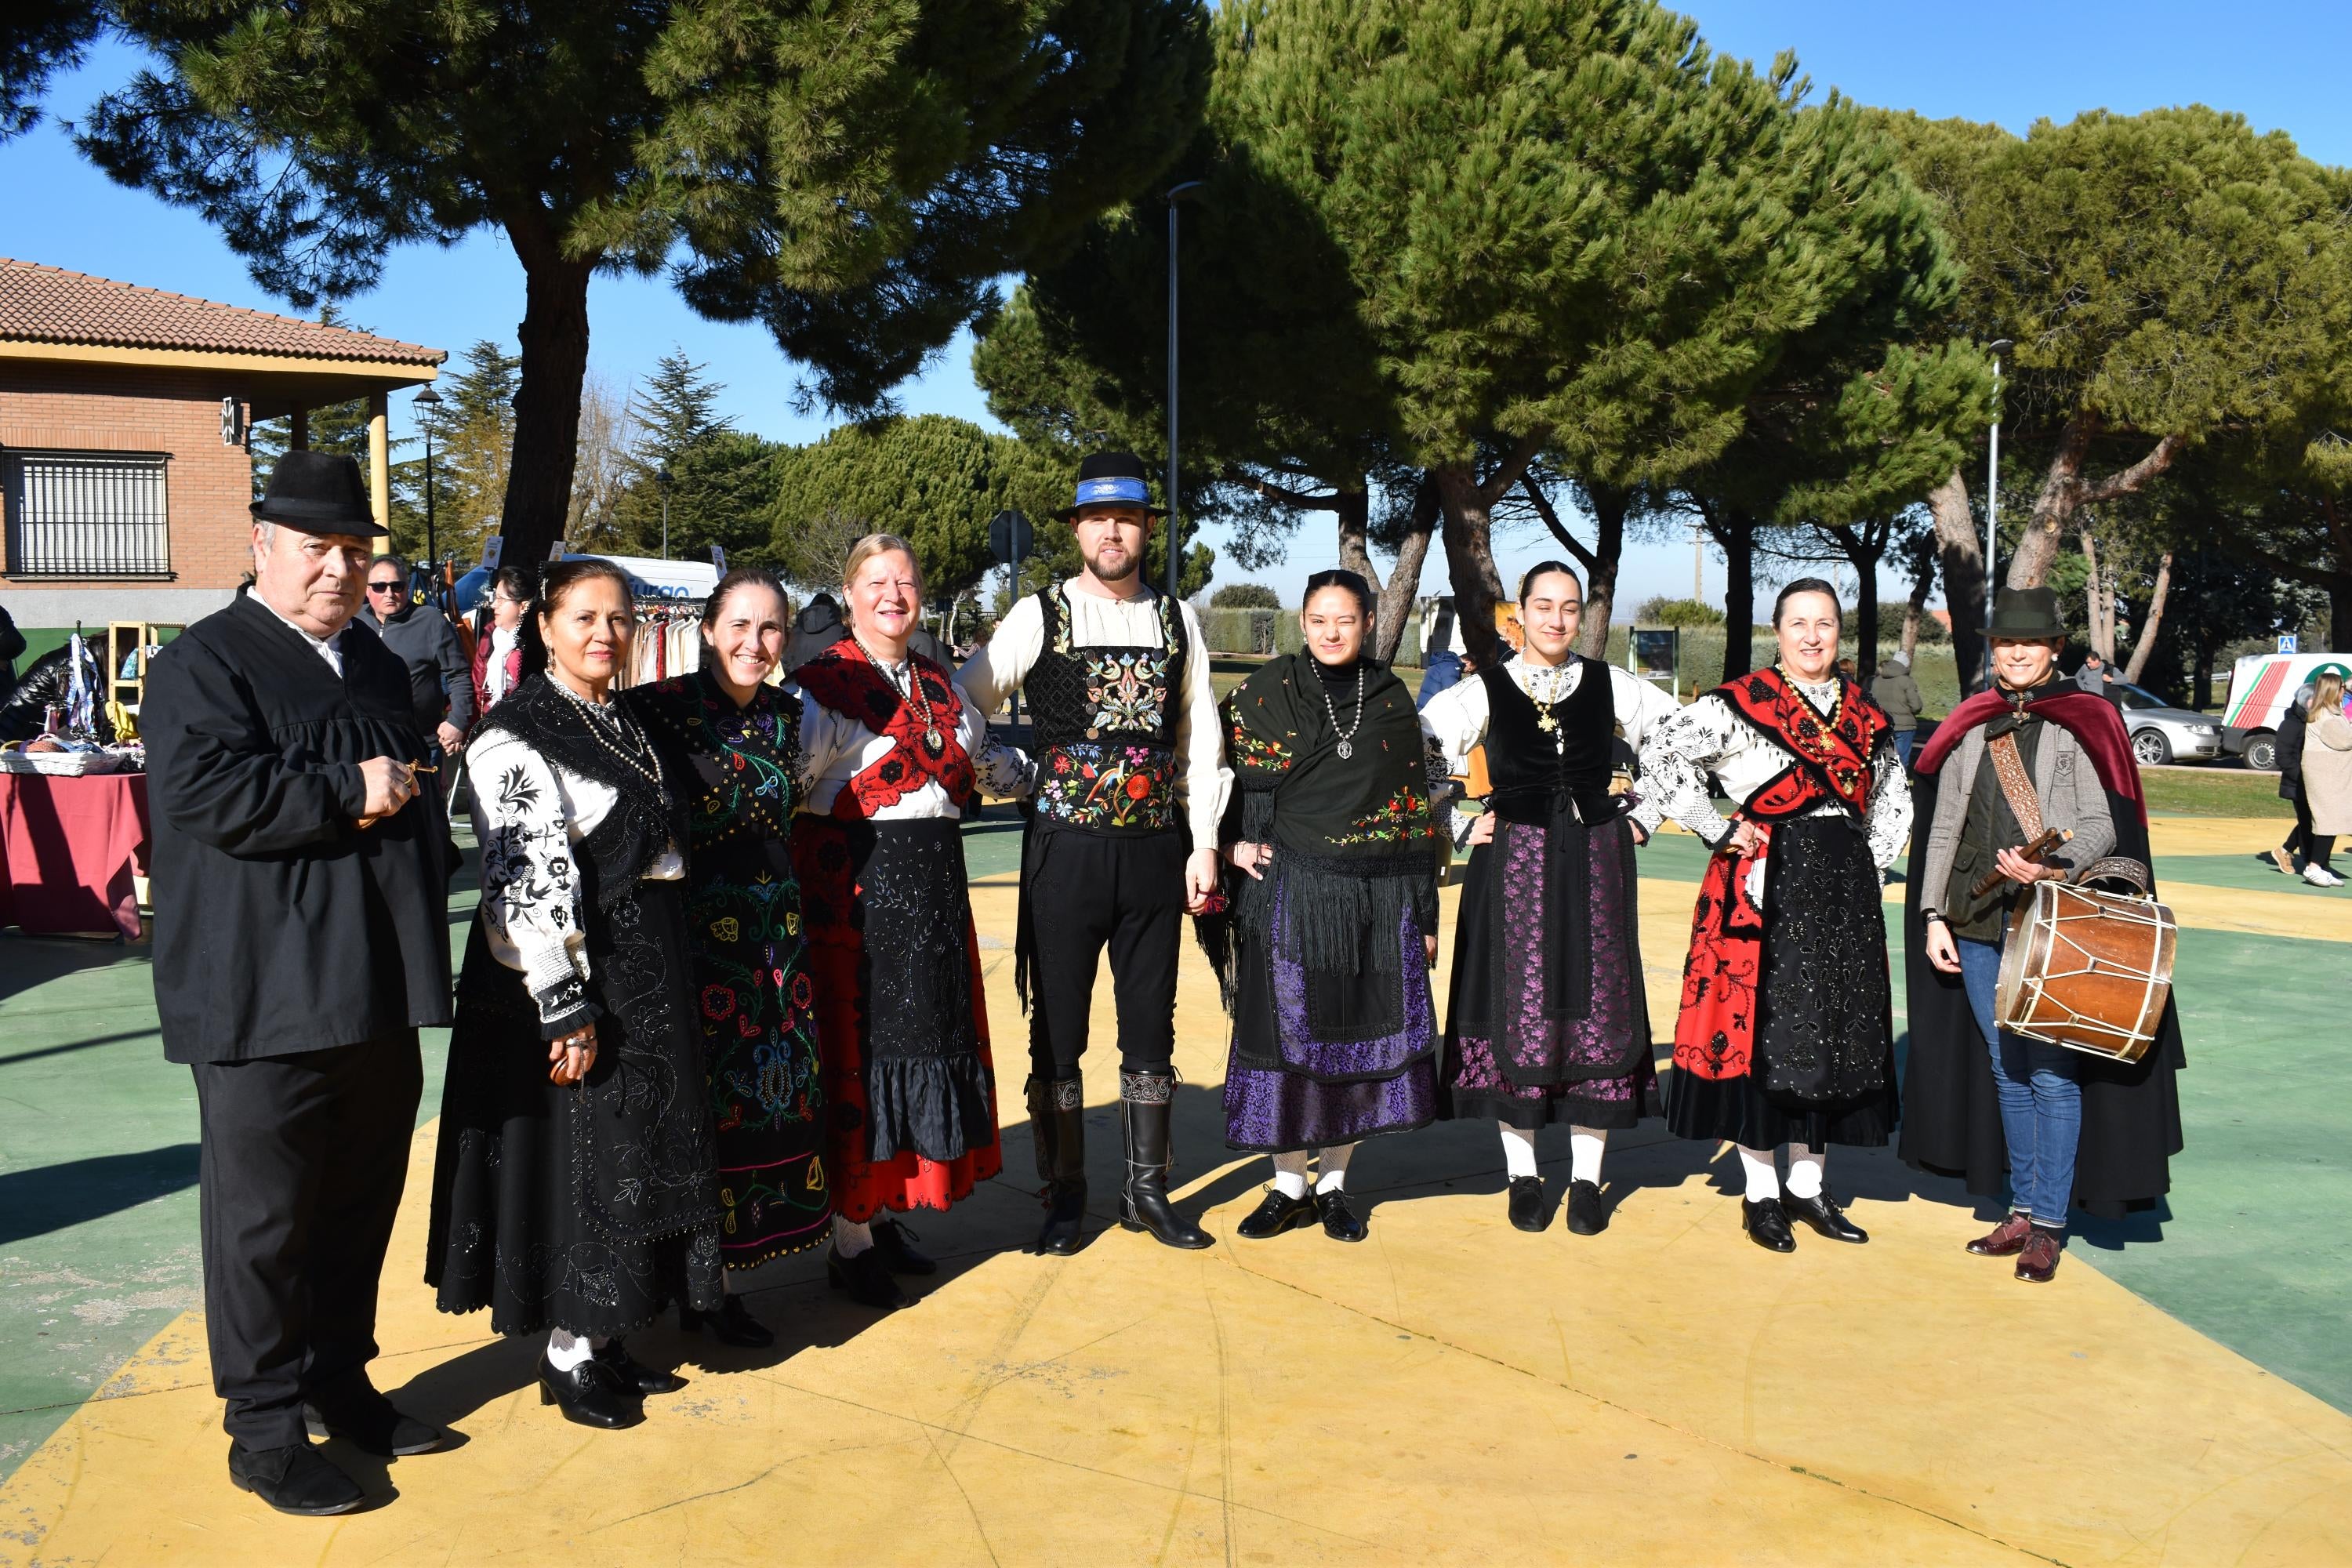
point(2026, 615)
point(1112, 479)
point(317, 492)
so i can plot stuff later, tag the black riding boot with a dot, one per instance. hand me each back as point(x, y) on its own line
point(1144, 1108)
point(1057, 1121)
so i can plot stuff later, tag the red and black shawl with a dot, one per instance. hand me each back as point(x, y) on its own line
point(844, 679)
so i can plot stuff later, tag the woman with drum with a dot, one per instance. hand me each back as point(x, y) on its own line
point(1786, 1033)
point(2011, 769)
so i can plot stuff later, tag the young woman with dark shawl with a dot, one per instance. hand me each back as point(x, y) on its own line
point(1547, 1021)
point(1333, 919)
point(731, 745)
point(574, 1189)
point(1786, 1033)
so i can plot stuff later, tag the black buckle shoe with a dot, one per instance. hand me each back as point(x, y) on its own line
point(890, 1239)
point(589, 1394)
point(1587, 1215)
point(634, 1374)
point(732, 1324)
point(294, 1479)
point(1528, 1203)
point(369, 1421)
point(866, 1278)
point(1823, 1215)
point(1145, 1108)
point(1766, 1224)
point(1340, 1223)
point(1276, 1214)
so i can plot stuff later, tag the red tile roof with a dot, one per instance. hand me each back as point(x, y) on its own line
point(49, 305)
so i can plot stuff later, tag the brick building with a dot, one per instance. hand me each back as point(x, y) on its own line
point(125, 416)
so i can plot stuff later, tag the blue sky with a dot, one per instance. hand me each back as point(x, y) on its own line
point(2280, 64)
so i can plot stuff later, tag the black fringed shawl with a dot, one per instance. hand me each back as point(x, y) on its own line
point(1355, 837)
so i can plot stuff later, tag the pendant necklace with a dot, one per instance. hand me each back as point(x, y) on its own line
point(608, 722)
point(911, 694)
point(1547, 714)
point(1347, 736)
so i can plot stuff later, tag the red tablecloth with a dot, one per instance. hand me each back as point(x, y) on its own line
point(71, 846)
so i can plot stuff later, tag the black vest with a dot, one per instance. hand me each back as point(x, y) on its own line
point(1537, 772)
point(1104, 720)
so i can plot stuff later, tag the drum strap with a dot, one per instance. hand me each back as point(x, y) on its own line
point(2009, 767)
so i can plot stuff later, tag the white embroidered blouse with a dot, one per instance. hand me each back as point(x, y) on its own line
point(835, 749)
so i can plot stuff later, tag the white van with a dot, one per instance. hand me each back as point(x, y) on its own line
point(2261, 687)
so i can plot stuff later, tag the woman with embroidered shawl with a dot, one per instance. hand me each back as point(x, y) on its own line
point(1786, 1033)
point(731, 742)
point(574, 1189)
point(1334, 915)
point(890, 754)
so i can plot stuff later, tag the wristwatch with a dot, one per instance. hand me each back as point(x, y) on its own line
point(1933, 915)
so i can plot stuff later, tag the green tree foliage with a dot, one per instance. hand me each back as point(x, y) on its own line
point(852, 175)
point(1665, 612)
point(934, 481)
point(671, 413)
point(39, 38)
point(723, 492)
point(1245, 597)
point(2167, 277)
point(473, 438)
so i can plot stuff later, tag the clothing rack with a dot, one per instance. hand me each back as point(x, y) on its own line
point(668, 640)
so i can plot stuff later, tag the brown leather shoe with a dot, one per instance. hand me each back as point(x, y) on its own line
point(2039, 1260)
point(2007, 1238)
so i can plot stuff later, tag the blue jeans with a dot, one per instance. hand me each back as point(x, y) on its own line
point(2040, 1091)
point(1903, 739)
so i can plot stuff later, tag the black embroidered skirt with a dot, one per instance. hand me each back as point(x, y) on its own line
point(589, 1207)
point(1824, 1064)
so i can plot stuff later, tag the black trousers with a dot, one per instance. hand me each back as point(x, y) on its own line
point(302, 1164)
point(2304, 843)
point(1086, 892)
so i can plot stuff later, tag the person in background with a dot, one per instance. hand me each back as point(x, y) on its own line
point(816, 629)
point(1441, 665)
point(2316, 776)
point(12, 648)
point(441, 687)
point(2097, 677)
point(302, 939)
point(498, 652)
point(1897, 696)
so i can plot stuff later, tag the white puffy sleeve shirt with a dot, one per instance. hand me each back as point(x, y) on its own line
point(1455, 720)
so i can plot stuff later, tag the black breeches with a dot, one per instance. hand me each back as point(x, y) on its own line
point(1087, 891)
point(303, 1160)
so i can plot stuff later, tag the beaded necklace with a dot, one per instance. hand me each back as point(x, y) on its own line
point(913, 694)
point(1347, 736)
point(608, 726)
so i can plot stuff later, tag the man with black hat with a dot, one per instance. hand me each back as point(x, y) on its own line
point(301, 936)
point(1129, 757)
point(2036, 753)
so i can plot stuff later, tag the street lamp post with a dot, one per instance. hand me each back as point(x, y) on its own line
point(1998, 346)
point(430, 401)
point(662, 481)
point(1175, 523)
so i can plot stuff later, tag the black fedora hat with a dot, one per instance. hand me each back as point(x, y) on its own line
point(2026, 615)
point(1112, 479)
point(317, 492)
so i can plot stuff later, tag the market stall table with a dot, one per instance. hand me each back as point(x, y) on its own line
point(72, 847)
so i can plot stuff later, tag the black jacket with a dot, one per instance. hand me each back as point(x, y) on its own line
point(12, 643)
point(440, 677)
point(2292, 726)
point(282, 925)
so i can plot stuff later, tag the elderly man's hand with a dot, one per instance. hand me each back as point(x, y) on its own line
point(390, 787)
point(450, 736)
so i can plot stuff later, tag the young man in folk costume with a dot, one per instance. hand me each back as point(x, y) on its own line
point(1130, 786)
point(2039, 752)
point(1547, 1021)
point(1786, 1034)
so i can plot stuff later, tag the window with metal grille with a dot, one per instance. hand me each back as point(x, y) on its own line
point(86, 514)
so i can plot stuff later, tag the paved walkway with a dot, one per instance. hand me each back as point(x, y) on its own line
point(1451, 1391)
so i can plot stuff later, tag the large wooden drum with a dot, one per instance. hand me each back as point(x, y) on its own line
point(2086, 970)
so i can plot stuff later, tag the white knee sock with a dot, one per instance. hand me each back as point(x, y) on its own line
point(1290, 1173)
point(1763, 1176)
point(1806, 1167)
point(851, 1238)
point(1518, 1150)
point(566, 1351)
point(1334, 1173)
point(1585, 1146)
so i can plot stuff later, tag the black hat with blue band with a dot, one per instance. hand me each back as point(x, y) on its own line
point(1112, 479)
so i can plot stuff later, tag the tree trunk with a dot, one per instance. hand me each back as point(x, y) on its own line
point(1923, 581)
point(1866, 619)
point(1470, 560)
point(1610, 506)
point(2063, 489)
point(2099, 632)
point(1959, 555)
point(1393, 610)
point(553, 337)
point(2145, 644)
point(1735, 534)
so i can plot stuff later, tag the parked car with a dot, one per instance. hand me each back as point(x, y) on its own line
point(2161, 733)
point(2261, 687)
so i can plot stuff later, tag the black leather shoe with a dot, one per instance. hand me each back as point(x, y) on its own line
point(1824, 1216)
point(1145, 1108)
point(890, 1239)
point(1276, 1215)
point(634, 1374)
point(294, 1479)
point(1766, 1224)
point(1340, 1223)
point(368, 1422)
point(589, 1394)
point(732, 1324)
point(1057, 1124)
point(1528, 1203)
point(866, 1278)
point(1587, 1215)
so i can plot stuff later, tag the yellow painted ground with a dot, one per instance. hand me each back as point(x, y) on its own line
point(1451, 1391)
